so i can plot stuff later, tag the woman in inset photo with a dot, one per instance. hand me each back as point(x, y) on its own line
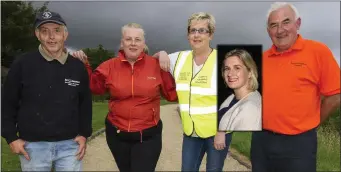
point(242, 110)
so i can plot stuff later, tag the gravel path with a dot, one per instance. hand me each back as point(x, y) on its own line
point(98, 156)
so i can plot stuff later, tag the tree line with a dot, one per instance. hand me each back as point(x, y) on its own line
point(17, 34)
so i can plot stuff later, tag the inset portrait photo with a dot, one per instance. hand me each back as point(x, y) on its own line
point(239, 87)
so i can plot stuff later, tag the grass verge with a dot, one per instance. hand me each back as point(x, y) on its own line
point(328, 152)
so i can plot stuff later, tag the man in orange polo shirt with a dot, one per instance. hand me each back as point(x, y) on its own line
point(297, 72)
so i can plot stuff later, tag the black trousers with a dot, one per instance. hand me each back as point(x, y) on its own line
point(271, 152)
point(135, 152)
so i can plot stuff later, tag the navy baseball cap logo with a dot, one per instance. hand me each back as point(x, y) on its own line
point(47, 15)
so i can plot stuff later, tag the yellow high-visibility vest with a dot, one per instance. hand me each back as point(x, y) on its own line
point(197, 95)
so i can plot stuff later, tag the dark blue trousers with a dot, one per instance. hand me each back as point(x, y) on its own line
point(272, 152)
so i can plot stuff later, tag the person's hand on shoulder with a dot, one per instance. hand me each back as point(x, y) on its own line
point(81, 56)
point(163, 60)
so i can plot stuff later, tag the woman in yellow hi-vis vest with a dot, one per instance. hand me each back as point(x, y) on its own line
point(195, 74)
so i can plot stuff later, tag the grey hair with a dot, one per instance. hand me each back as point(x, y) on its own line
point(65, 28)
point(277, 5)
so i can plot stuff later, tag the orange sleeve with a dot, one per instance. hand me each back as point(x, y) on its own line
point(329, 72)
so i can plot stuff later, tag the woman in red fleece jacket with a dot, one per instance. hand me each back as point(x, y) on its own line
point(135, 81)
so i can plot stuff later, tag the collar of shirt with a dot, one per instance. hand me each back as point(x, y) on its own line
point(61, 59)
point(298, 45)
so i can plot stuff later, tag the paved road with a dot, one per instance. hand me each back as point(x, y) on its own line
point(99, 158)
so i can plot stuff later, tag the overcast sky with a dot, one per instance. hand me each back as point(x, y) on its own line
point(165, 23)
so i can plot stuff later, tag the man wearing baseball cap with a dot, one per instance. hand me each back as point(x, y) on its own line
point(46, 105)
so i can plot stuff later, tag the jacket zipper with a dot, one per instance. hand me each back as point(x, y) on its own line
point(132, 80)
point(132, 92)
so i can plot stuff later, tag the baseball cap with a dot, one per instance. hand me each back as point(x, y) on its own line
point(48, 17)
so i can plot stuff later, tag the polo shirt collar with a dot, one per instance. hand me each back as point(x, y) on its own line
point(61, 59)
point(298, 45)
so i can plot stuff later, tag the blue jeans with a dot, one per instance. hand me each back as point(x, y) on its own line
point(193, 151)
point(60, 154)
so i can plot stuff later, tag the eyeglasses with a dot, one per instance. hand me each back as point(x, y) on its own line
point(200, 31)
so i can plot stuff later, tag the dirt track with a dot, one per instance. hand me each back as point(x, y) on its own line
point(99, 158)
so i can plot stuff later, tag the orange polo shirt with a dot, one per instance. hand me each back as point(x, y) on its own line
point(293, 82)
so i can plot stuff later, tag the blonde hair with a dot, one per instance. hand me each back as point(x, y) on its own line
point(250, 64)
point(146, 49)
point(132, 25)
point(202, 16)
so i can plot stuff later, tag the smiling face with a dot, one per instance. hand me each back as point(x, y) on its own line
point(52, 37)
point(132, 42)
point(199, 35)
point(283, 27)
point(235, 73)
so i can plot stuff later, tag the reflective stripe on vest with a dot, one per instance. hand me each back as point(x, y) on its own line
point(198, 96)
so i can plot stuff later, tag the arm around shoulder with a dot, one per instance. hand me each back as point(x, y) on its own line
point(167, 61)
point(99, 76)
point(168, 87)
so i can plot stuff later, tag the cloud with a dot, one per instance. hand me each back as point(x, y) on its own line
point(70, 50)
point(91, 23)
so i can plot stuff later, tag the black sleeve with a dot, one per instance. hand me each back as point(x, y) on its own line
point(10, 102)
point(85, 106)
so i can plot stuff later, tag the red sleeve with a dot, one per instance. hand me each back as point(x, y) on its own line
point(97, 78)
point(168, 87)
